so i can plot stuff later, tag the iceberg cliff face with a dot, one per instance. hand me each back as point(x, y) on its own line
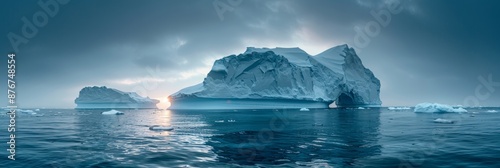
point(108, 98)
point(280, 74)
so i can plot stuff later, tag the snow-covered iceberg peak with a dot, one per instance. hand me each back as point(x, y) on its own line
point(295, 55)
point(284, 78)
point(108, 98)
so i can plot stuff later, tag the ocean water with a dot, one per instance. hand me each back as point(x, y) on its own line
point(375, 137)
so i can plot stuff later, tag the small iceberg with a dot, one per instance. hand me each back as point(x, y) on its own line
point(460, 110)
point(361, 108)
point(437, 108)
point(112, 112)
point(161, 128)
point(219, 121)
point(231, 120)
point(37, 109)
point(304, 109)
point(444, 121)
point(492, 111)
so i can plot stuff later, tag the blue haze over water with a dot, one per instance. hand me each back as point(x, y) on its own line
point(374, 137)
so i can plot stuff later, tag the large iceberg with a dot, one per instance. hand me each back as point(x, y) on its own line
point(108, 98)
point(264, 78)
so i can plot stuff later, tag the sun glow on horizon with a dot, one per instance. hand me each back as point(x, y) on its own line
point(164, 103)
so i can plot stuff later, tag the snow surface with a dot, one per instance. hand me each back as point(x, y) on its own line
point(191, 89)
point(112, 112)
point(437, 108)
point(108, 98)
point(333, 58)
point(335, 75)
point(218, 66)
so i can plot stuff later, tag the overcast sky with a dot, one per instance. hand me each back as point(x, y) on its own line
point(430, 51)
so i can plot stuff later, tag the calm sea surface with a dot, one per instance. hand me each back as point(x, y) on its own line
point(375, 137)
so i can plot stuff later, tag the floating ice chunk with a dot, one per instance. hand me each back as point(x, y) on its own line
point(317, 124)
point(26, 111)
point(37, 109)
point(282, 160)
point(361, 108)
point(444, 121)
point(161, 128)
point(302, 146)
point(219, 121)
point(231, 120)
point(437, 108)
point(112, 112)
point(399, 108)
point(460, 110)
point(492, 111)
point(304, 109)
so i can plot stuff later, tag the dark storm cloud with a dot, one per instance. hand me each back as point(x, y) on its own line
point(431, 51)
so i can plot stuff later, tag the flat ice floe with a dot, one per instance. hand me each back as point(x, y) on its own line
point(112, 112)
point(444, 121)
point(399, 108)
point(437, 108)
point(25, 111)
point(492, 111)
